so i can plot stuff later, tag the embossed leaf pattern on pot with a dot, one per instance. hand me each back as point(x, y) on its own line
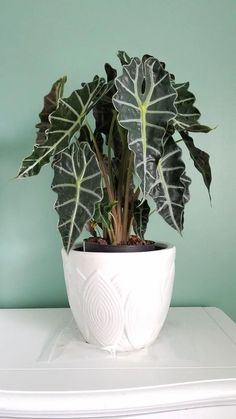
point(116, 307)
point(102, 310)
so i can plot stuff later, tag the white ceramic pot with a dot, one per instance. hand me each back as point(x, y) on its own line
point(120, 300)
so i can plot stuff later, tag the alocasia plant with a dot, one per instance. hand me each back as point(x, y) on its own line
point(106, 175)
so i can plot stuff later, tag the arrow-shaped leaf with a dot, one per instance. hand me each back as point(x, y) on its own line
point(200, 159)
point(141, 217)
point(77, 181)
point(50, 104)
point(65, 122)
point(171, 191)
point(145, 102)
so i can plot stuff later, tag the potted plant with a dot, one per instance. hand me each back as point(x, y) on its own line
point(107, 176)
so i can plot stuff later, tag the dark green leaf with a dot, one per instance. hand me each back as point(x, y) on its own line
point(145, 57)
point(103, 110)
point(110, 72)
point(65, 122)
point(171, 190)
point(141, 217)
point(187, 115)
point(77, 181)
point(85, 135)
point(199, 128)
point(102, 215)
point(145, 102)
point(186, 181)
point(123, 57)
point(200, 159)
point(103, 113)
point(50, 104)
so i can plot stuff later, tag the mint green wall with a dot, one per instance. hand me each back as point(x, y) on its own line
point(42, 40)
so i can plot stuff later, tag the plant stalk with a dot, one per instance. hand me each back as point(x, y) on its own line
point(126, 225)
point(121, 180)
point(109, 146)
point(113, 233)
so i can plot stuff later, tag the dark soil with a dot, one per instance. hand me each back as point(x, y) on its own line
point(133, 240)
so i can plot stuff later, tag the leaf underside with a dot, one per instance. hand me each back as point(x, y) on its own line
point(77, 181)
point(50, 104)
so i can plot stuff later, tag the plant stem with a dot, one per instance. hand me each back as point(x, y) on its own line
point(110, 144)
point(101, 164)
point(136, 193)
point(122, 171)
point(126, 200)
point(112, 234)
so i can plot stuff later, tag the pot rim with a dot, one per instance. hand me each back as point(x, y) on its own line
point(160, 247)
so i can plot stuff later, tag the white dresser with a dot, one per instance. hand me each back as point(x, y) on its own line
point(47, 371)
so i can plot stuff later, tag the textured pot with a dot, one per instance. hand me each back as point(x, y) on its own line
point(120, 300)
